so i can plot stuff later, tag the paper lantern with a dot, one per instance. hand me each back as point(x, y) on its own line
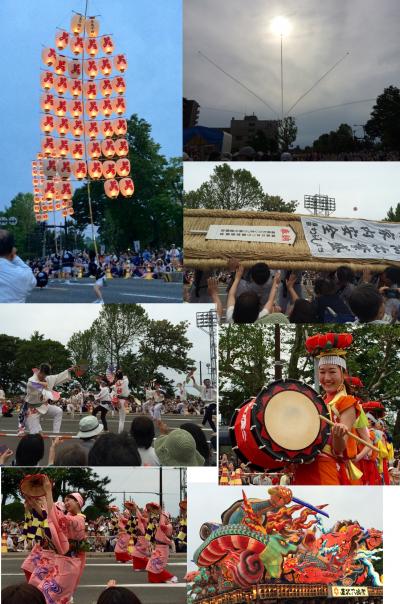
point(47, 102)
point(74, 69)
point(57, 205)
point(120, 127)
point(46, 80)
point(111, 188)
point(64, 189)
point(119, 105)
point(60, 107)
point(91, 47)
point(64, 168)
point(107, 128)
point(91, 68)
point(79, 169)
point(95, 170)
point(50, 206)
point(36, 208)
point(92, 109)
point(64, 204)
point(49, 190)
point(77, 150)
point(62, 39)
point(77, 127)
point(62, 126)
point(75, 108)
point(94, 149)
point(44, 217)
point(76, 44)
point(77, 23)
point(106, 107)
point(61, 85)
point(63, 147)
point(92, 27)
point(48, 145)
point(119, 85)
point(90, 90)
point(107, 45)
point(35, 181)
point(108, 148)
point(75, 88)
point(64, 213)
point(106, 87)
point(105, 66)
point(50, 167)
point(47, 123)
point(61, 65)
point(126, 187)
point(92, 130)
point(123, 167)
point(49, 56)
point(70, 211)
point(121, 147)
point(109, 169)
point(120, 63)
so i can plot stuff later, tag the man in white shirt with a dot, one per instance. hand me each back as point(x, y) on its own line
point(16, 277)
point(209, 397)
point(121, 390)
point(158, 397)
point(103, 400)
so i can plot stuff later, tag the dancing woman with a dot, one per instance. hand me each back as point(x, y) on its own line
point(161, 533)
point(121, 392)
point(121, 549)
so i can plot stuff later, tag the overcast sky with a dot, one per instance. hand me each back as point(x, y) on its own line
point(237, 36)
point(371, 188)
point(60, 321)
point(148, 31)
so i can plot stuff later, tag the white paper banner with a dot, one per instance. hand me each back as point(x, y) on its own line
point(354, 239)
point(339, 591)
point(259, 234)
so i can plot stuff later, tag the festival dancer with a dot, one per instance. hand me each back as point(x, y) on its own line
point(103, 398)
point(367, 460)
point(209, 397)
point(160, 530)
point(95, 270)
point(158, 397)
point(121, 549)
point(121, 392)
point(57, 559)
point(75, 402)
point(142, 545)
point(149, 400)
point(181, 539)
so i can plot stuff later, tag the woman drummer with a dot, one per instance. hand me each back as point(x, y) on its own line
point(56, 562)
point(335, 464)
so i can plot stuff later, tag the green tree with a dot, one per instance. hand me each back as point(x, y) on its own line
point(28, 234)
point(31, 353)
point(393, 215)
point(8, 350)
point(384, 122)
point(260, 142)
point(166, 345)
point(287, 133)
point(337, 141)
point(82, 347)
point(275, 203)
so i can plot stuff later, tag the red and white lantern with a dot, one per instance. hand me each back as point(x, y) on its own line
point(111, 188)
point(120, 127)
point(106, 88)
point(60, 107)
point(108, 148)
point(70, 211)
point(47, 123)
point(92, 27)
point(49, 190)
point(92, 109)
point(95, 169)
point(74, 69)
point(107, 45)
point(120, 63)
point(77, 127)
point(121, 147)
point(119, 105)
point(61, 65)
point(62, 39)
point(126, 187)
point(91, 68)
point(123, 167)
point(36, 208)
point(64, 190)
point(92, 130)
point(75, 108)
point(50, 167)
point(90, 90)
point(47, 102)
point(79, 169)
point(49, 56)
point(76, 44)
point(48, 146)
point(62, 126)
point(109, 169)
point(47, 80)
point(75, 88)
point(106, 107)
point(107, 128)
point(92, 47)
point(94, 149)
point(64, 168)
point(77, 150)
point(63, 147)
point(119, 85)
point(61, 85)
point(105, 66)
point(77, 24)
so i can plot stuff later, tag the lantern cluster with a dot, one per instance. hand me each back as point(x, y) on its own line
point(82, 124)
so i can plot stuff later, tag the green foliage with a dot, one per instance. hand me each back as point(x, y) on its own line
point(260, 142)
point(287, 133)
point(393, 215)
point(28, 234)
point(337, 141)
point(384, 122)
point(275, 203)
point(8, 351)
point(13, 511)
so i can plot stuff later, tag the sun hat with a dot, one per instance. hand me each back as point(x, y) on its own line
point(178, 448)
point(78, 498)
point(89, 426)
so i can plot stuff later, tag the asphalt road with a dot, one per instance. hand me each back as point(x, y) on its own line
point(116, 291)
point(70, 426)
point(102, 567)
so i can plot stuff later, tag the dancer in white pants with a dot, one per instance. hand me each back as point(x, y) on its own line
point(158, 408)
point(121, 390)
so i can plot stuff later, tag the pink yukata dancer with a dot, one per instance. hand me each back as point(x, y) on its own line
point(121, 549)
point(142, 545)
point(156, 566)
point(57, 560)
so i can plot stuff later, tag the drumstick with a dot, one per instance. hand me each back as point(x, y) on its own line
point(357, 438)
point(60, 436)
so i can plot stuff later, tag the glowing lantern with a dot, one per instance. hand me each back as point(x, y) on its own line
point(91, 68)
point(120, 63)
point(49, 190)
point(75, 88)
point(126, 187)
point(75, 108)
point(109, 169)
point(49, 56)
point(74, 69)
point(49, 167)
point(76, 44)
point(47, 102)
point(106, 87)
point(77, 23)
point(92, 130)
point(62, 38)
point(61, 65)
point(50, 206)
point(62, 126)
point(64, 204)
point(46, 80)
point(44, 217)
point(64, 168)
point(120, 127)
point(94, 149)
point(70, 211)
point(123, 167)
point(36, 208)
point(106, 107)
point(111, 188)
point(108, 148)
point(119, 85)
point(47, 123)
point(77, 128)
point(77, 150)
point(60, 107)
point(107, 45)
point(61, 85)
point(90, 90)
point(91, 47)
point(92, 109)
point(57, 206)
point(64, 190)
point(63, 147)
point(79, 169)
point(64, 213)
point(119, 106)
point(35, 181)
point(48, 146)
point(107, 128)
point(105, 66)
point(95, 169)
point(92, 27)
point(121, 147)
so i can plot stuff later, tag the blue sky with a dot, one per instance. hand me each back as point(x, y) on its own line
point(148, 31)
